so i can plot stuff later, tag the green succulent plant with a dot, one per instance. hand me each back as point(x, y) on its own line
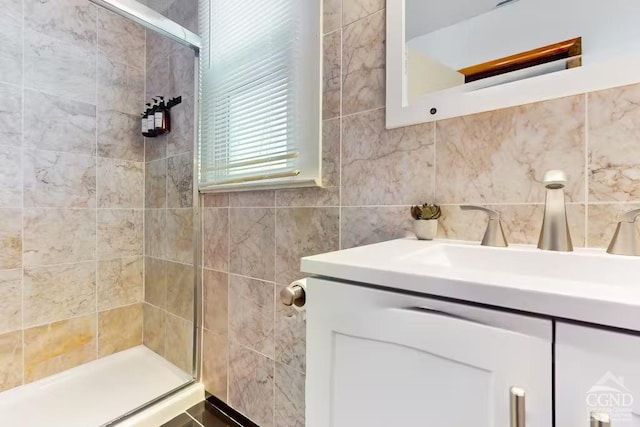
point(426, 211)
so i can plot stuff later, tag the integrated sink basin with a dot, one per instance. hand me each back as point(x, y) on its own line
point(585, 285)
point(582, 265)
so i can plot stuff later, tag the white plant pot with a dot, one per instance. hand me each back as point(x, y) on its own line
point(425, 229)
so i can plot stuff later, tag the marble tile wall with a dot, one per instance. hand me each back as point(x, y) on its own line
point(71, 186)
point(168, 195)
point(254, 348)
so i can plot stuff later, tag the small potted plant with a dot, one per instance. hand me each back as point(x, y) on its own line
point(426, 221)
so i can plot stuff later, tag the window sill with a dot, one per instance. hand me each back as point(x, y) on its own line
point(279, 184)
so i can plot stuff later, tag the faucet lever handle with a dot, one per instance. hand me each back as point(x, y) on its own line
point(494, 235)
point(492, 214)
point(626, 239)
point(630, 216)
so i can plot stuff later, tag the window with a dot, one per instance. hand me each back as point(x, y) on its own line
point(260, 108)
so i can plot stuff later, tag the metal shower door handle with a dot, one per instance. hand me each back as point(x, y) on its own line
point(599, 419)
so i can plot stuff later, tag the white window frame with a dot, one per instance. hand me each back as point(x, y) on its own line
point(309, 100)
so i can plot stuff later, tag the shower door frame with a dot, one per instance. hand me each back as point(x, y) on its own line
point(154, 21)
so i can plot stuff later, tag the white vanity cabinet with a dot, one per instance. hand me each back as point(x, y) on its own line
point(377, 359)
point(597, 371)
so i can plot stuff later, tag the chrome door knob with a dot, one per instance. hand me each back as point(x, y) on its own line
point(293, 295)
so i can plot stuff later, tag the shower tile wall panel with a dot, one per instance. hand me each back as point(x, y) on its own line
point(168, 295)
point(254, 347)
point(71, 186)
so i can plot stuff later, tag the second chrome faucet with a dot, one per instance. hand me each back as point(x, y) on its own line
point(555, 235)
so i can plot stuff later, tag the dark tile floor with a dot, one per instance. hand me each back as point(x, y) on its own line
point(203, 414)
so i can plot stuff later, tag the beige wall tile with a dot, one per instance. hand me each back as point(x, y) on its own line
point(252, 242)
point(155, 148)
point(10, 238)
point(12, 24)
point(331, 15)
point(73, 21)
point(180, 290)
point(331, 143)
point(215, 235)
point(121, 39)
point(119, 136)
point(11, 133)
point(501, 156)
point(154, 328)
point(216, 301)
point(179, 233)
point(59, 346)
point(219, 200)
point(364, 226)
point(10, 175)
point(59, 180)
point(386, 167)
point(120, 184)
point(119, 329)
point(120, 233)
point(120, 282)
point(253, 199)
point(181, 138)
point(357, 9)
point(51, 236)
point(180, 181)
point(59, 124)
point(59, 292)
point(306, 197)
point(156, 184)
point(251, 314)
point(10, 360)
point(289, 396)
point(57, 66)
point(251, 384)
point(331, 75)
point(614, 144)
point(214, 365)
point(363, 64)
point(155, 282)
point(155, 236)
point(10, 301)
point(303, 232)
point(179, 342)
point(181, 72)
point(602, 222)
point(121, 86)
point(291, 336)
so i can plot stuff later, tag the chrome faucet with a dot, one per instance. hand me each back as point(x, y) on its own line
point(494, 234)
point(555, 235)
point(626, 240)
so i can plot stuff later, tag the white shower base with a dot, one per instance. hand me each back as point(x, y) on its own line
point(93, 394)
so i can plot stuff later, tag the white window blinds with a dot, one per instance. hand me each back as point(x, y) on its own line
point(260, 108)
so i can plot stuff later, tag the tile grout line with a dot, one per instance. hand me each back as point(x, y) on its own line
point(196, 421)
point(586, 170)
point(97, 119)
point(22, 160)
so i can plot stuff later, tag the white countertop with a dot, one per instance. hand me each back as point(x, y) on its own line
point(587, 285)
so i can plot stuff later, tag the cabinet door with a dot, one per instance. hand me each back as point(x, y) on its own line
point(380, 359)
point(597, 371)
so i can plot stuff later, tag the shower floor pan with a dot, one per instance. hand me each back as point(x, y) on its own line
point(96, 393)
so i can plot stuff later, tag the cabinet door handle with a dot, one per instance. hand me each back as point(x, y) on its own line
point(517, 405)
point(599, 419)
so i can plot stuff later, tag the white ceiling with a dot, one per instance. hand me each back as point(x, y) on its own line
point(426, 16)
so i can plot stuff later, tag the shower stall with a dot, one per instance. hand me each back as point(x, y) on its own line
point(99, 225)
